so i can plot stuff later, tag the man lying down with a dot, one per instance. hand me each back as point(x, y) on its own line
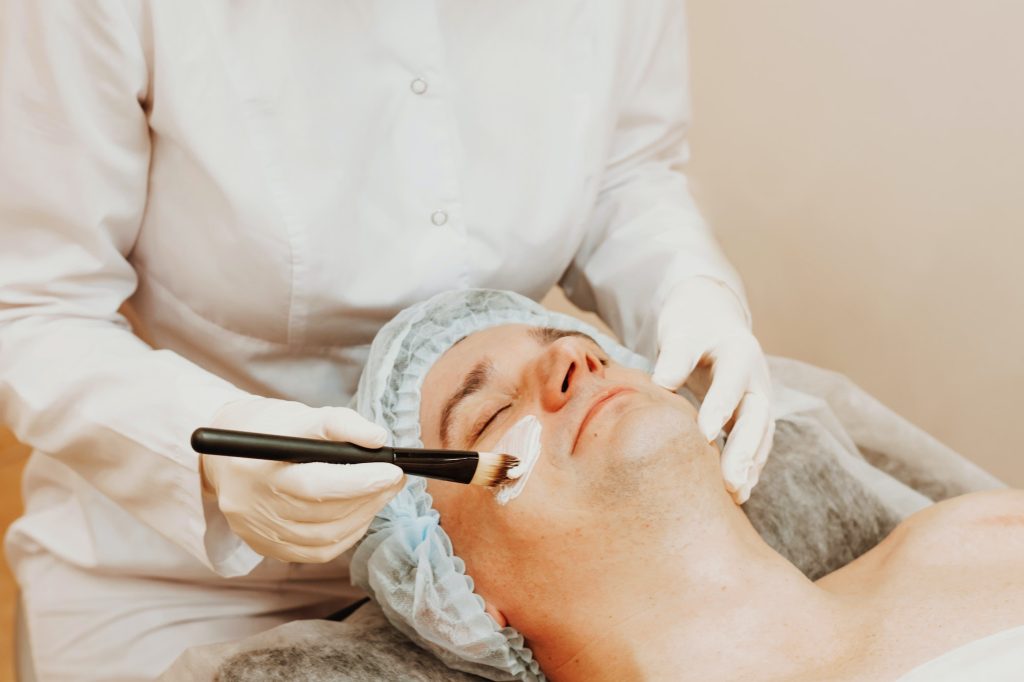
point(624, 557)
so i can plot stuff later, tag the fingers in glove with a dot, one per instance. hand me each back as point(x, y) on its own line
point(760, 459)
point(329, 531)
point(321, 555)
point(325, 483)
point(306, 511)
point(355, 535)
point(730, 380)
point(296, 553)
point(743, 445)
point(763, 450)
point(290, 418)
point(675, 364)
point(341, 423)
point(275, 537)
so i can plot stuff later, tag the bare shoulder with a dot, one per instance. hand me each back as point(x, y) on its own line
point(948, 575)
point(977, 528)
point(989, 507)
point(986, 522)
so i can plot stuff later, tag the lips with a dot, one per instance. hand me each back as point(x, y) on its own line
point(602, 398)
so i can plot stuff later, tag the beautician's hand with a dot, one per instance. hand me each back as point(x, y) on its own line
point(704, 336)
point(308, 513)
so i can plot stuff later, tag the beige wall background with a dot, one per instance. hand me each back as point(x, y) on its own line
point(863, 165)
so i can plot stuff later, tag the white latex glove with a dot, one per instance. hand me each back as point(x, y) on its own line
point(307, 513)
point(703, 327)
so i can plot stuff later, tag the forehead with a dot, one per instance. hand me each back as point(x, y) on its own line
point(493, 342)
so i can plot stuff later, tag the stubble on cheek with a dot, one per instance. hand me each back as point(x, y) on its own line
point(649, 457)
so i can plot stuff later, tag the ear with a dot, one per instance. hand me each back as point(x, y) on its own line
point(494, 613)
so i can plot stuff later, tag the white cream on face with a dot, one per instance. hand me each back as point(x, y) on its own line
point(522, 441)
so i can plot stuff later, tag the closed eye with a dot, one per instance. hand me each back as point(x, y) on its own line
point(487, 424)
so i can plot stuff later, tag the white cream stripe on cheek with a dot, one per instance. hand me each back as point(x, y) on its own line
point(522, 441)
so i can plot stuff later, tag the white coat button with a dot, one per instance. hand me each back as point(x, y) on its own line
point(419, 86)
point(439, 218)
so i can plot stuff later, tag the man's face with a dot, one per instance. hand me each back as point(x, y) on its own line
point(615, 451)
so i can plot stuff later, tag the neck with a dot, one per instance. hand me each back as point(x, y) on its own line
point(717, 603)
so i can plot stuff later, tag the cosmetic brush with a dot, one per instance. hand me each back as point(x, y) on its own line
point(459, 466)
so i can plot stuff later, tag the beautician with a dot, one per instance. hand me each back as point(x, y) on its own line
point(266, 185)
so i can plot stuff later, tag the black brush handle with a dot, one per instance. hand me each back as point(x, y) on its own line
point(458, 466)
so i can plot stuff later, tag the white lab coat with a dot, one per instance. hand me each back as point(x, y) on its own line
point(268, 183)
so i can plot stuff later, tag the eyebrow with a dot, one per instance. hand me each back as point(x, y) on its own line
point(473, 382)
point(478, 377)
point(548, 335)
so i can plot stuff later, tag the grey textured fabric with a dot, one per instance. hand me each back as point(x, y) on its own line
point(841, 517)
point(915, 475)
point(363, 648)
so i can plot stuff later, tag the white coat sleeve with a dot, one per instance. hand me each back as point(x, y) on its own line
point(75, 382)
point(645, 233)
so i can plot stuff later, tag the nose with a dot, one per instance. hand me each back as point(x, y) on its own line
point(566, 366)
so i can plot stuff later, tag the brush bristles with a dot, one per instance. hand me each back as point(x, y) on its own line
point(492, 469)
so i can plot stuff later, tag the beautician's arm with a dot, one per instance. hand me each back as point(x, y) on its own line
point(75, 382)
point(646, 234)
